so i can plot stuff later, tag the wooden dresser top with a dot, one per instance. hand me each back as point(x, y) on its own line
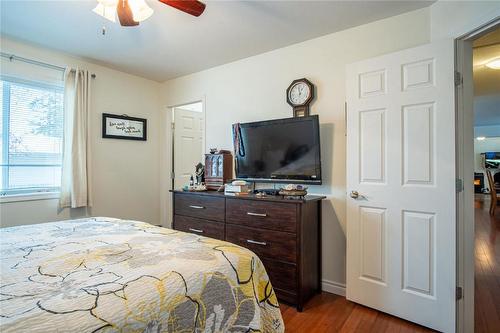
point(274, 198)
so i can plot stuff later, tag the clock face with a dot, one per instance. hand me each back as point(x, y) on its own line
point(299, 93)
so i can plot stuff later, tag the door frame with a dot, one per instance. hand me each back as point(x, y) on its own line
point(167, 156)
point(172, 134)
point(464, 143)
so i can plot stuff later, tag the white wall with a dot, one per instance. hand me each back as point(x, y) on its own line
point(125, 173)
point(254, 89)
point(453, 19)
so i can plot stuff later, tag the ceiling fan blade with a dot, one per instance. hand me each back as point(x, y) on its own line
point(192, 7)
point(125, 14)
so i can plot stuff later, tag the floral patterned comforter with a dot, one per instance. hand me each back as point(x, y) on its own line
point(110, 275)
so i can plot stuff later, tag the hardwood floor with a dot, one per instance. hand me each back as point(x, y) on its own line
point(487, 275)
point(331, 313)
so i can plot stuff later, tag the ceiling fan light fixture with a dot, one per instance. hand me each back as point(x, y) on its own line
point(493, 64)
point(140, 10)
point(131, 12)
point(106, 9)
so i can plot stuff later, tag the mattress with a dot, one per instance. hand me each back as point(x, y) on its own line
point(112, 275)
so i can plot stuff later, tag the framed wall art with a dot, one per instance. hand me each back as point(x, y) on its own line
point(123, 127)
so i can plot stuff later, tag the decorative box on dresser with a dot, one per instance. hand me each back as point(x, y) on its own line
point(218, 169)
point(285, 234)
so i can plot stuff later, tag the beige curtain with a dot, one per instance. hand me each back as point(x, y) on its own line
point(76, 176)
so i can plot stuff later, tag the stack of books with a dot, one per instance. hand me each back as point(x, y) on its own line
point(237, 188)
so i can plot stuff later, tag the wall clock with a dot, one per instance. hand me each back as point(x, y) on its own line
point(299, 95)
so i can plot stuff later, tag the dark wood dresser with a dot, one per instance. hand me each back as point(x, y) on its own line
point(285, 234)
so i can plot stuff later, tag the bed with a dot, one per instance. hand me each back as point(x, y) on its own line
point(112, 275)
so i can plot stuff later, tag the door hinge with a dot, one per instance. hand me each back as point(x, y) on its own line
point(458, 78)
point(172, 175)
point(459, 293)
point(459, 185)
point(172, 125)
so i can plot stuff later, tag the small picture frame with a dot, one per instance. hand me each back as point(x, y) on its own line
point(123, 127)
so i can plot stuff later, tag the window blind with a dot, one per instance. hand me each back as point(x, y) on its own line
point(31, 136)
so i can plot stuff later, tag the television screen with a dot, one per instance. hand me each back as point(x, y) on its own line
point(492, 160)
point(283, 150)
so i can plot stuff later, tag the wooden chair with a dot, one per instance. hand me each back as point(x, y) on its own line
point(493, 192)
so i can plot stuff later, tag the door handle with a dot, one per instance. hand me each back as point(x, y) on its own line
point(354, 194)
point(256, 214)
point(196, 230)
point(196, 207)
point(256, 242)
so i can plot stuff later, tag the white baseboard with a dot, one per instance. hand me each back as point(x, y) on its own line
point(333, 287)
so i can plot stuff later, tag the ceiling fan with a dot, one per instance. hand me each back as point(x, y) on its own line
point(131, 12)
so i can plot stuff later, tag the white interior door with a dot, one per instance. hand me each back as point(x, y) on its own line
point(401, 161)
point(188, 144)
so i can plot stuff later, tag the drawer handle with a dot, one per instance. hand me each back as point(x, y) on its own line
point(196, 207)
point(196, 230)
point(256, 242)
point(256, 214)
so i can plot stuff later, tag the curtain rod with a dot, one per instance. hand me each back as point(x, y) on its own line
point(36, 62)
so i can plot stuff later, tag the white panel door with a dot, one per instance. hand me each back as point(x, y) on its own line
point(188, 144)
point(401, 184)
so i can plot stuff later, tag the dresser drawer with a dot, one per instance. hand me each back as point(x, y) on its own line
point(200, 227)
point(262, 214)
point(282, 275)
point(199, 206)
point(265, 243)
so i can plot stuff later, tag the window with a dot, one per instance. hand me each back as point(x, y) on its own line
point(31, 134)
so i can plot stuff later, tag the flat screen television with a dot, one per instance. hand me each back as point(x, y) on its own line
point(279, 151)
point(492, 160)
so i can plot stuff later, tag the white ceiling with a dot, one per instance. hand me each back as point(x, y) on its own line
point(486, 80)
point(172, 43)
